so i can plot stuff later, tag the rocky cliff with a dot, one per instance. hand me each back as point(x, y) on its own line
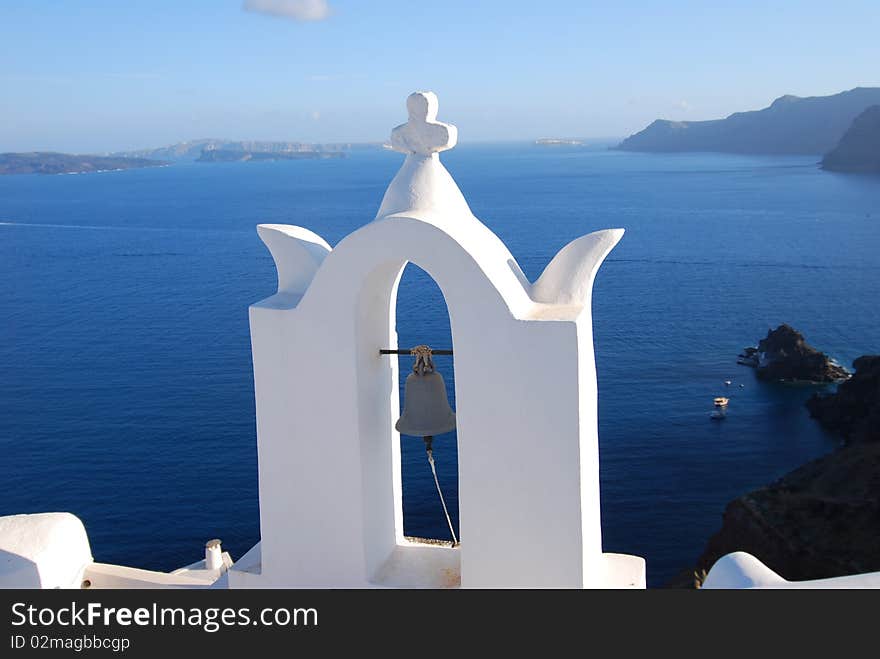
point(790, 125)
point(853, 411)
point(821, 520)
point(859, 148)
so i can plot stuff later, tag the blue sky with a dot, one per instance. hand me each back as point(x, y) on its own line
point(89, 76)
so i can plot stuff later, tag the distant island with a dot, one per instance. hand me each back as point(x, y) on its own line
point(192, 150)
point(64, 163)
point(859, 148)
point(790, 125)
point(225, 155)
point(202, 150)
point(555, 141)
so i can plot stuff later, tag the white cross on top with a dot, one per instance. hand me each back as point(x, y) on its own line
point(423, 134)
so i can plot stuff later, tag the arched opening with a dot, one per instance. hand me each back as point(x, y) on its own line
point(423, 318)
point(401, 307)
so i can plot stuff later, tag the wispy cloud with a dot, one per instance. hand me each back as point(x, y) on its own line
point(297, 10)
point(683, 105)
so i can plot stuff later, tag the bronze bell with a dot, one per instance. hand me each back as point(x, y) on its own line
point(426, 410)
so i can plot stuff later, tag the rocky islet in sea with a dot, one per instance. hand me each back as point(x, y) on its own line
point(784, 355)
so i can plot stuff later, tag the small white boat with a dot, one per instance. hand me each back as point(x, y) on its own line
point(721, 401)
point(727, 382)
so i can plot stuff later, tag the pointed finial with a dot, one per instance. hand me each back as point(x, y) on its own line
point(423, 134)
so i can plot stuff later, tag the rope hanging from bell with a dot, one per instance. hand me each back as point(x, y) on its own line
point(430, 452)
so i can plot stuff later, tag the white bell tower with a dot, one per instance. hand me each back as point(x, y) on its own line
point(326, 400)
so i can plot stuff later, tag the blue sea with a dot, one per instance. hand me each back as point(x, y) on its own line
point(126, 384)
